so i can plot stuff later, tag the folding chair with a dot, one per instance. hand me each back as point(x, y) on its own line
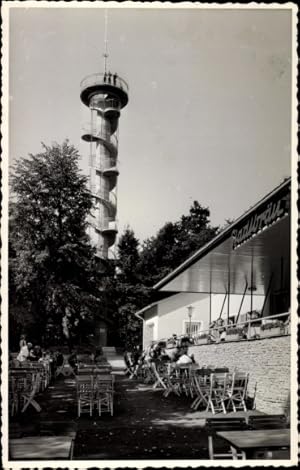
point(104, 392)
point(85, 393)
point(60, 369)
point(201, 385)
point(218, 447)
point(29, 394)
point(129, 364)
point(236, 393)
point(39, 368)
point(172, 381)
point(159, 373)
point(13, 397)
point(218, 392)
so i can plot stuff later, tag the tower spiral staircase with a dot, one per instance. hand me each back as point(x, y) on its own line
point(105, 95)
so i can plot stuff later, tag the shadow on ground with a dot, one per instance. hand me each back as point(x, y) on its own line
point(145, 424)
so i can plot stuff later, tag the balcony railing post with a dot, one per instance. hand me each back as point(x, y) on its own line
point(242, 301)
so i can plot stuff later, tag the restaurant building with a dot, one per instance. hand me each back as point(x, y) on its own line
point(245, 268)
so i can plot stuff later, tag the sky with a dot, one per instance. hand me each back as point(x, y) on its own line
point(209, 112)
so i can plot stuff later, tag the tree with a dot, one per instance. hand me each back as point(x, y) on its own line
point(125, 291)
point(128, 257)
point(52, 264)
point(139, 268)
point(174, 243)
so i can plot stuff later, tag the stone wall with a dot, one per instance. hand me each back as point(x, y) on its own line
point(266, 360)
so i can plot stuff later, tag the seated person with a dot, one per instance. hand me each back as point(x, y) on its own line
point(173, 341)
point(59, 359)
point(128, 362)
point(37, 352)
point(98, 355)
point(72, 360)
point(184, 359)
point(24, 352)
point(136, 354)
point(220, 330)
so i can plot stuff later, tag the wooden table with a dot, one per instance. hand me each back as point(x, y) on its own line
point(41, 448)
point(251, 442)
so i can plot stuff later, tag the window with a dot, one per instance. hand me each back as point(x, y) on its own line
point(192, 328)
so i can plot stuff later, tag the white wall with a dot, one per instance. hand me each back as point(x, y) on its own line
point(168, 316)
point(173, 312)
point(234, 305)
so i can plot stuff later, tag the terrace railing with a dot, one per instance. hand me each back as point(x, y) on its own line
point(262, 327)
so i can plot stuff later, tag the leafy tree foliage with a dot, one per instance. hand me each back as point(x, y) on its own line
point(52, 270)
point(55, 285)
point(126, 291)
point(139, 268)
point(175, 242)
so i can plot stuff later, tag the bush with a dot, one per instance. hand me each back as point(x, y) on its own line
point(271, 325)
point(234, 330)
point(202, 336)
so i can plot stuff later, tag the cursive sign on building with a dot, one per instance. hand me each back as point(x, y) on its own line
point(262, 218)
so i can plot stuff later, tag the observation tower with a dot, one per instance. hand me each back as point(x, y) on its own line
point(105, 94)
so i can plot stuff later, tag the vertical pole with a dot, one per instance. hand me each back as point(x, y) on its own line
point(223, 305)
point(210, 297)
point(210, 308)
point(267, 295)
point(240, 308)
point(105, 55)
point(228, 298)
point(251, 292)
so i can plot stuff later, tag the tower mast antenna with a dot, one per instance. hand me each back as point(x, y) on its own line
point(105, 55)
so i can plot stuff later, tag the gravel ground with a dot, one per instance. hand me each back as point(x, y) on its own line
point(145, 425)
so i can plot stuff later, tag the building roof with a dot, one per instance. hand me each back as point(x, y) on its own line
point(245, 252)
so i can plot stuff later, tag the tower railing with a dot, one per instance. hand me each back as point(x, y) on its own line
point(105, 104)
point(104, 79)
point(111, 165)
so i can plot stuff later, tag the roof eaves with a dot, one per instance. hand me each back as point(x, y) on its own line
point(218, 239)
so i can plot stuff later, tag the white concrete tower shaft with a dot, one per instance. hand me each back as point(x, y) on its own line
point(105, 95)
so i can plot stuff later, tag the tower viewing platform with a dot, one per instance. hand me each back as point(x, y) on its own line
point(108, 83)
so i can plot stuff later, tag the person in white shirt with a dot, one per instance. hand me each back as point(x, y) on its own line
point(24, 353)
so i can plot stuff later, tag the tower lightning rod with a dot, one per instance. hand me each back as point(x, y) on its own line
point(105, 55)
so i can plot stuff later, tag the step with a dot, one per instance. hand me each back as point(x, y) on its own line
point(109, 351)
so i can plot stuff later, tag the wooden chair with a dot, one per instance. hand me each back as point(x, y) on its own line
point(236, 392)
point(218, 392)
point(64, 369)
point(201, 387)
point(85, 394)
point(270, 422)
point(173, 382)
point(13, 397)
point(29, 393)
point(224, 450)
point(104, 393)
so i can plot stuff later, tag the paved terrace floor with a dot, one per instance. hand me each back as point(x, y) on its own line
point(145, 425)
